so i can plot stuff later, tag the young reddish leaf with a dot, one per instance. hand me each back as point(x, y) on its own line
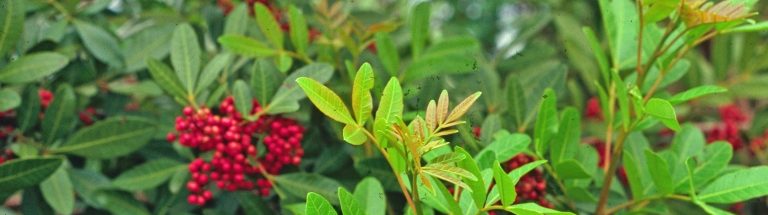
point(462, 107)
point(442, 107)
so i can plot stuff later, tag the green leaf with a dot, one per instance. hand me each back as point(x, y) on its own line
point(11, 23)
point(178, 180)
point(58, 192)
point(268, 25)
point(449, 56)
point(185, 56)
point(518, 173)
point(212, 70)
point(571, 169)
point(264, 81)
point(349, 205)
point(237, 20)
point(362, 102)
point(299, 184)
point(164, 77)
point(283, 62)
point(287, 96)
point(505, 184)
point(242, 96)
point(711, 210)
point(634, 178)
point(59, 118)
point(251, 205)
point(153, 42)
point(663, 111)
point(120, 203)
point(354, 134)
point(737, 186)
point(504, 147)
point(602, 60)
point(659, 10)
point(695, 93)
point(29, 110)
point(623, 98)
point(387, 53)
point(689, 141)
point(568, 138)
point(22, 173)
point(299, 34)
point(756, 27)
point(370, 195)
point(147, 175)
point(87, 183)
point(116, 136)
point(316, 204)
point(712, 162)
point(390, 106)
point(419, 21)
point(546, 121)
point(32, 67)
point(246, 46)
point(325, 100)
point(478, 186)
point(533, 209)
point(660, 174)
point(516, 101)
point(103, 45)
point(9, 99)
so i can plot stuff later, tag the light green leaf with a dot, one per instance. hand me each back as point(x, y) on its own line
point(316, 204)
point(237, 20)
point(185, 56)
point(660, 174)
point(419, 21)
point(756, 27)
point(516, 101)
point(325, 100)
point(546, 121)
point(568, 137)
point(147, 175)
point(504, 147)
point(116, 136)
point(695, 93)
point(737, 186)
point(533, 209)
point(9, 99)
point(387, 53)
point(362, 102)
point(689, 141)
point(622, 96)
point(663, 111)
point(59, 118)
point(571, 169)
point(264, 81)
point(505, 184)
point(712, 210)
point(299, 34)
point(287, 96)
point(390, 106)
point(268, 25)
point(242, 96)
point(103, 45)
point(212, 70)
point(712, 162)
point(659, 10)
point(354, 134)
point(299, 184)
point(32, 67)
point(58, 192)
point(164, 77)
point(153, 42)
point(370, 195)
point(349, 205)
point(478, 186)
point(11, 24)
point(246, 46)
point(602, 60)
point(22, 173)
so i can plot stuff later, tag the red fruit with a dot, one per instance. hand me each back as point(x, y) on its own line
point(593, 110)
point(170, 137)
point(45, 97)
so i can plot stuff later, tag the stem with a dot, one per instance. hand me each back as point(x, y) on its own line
point(609, 129)
point(677, 58)
point(601, 204)
point(415, 190)
point(639, 68)
point(397, 176)
point(490, 208)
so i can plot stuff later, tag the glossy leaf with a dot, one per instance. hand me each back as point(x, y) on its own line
point(60, 115)
point(695, 93)
point(325, 100)
point(147, 175)
point(737, 186)
point(242, 96)
point(349, 205)
point(663, 111)
point(289, 93)
point(102, 44)
point(22, 173)
point(11, 23)
point(316, 204)
point(110, 138)
point(185, 56)
point(362, 101)
point(32, 67)
point(58, 192)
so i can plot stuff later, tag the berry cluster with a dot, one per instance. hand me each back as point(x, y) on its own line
point(593, 110)
point(231, 138)
point(729, 130)
point(87, 116)
point(758, 143)
point(8, 118)
point(532, 186)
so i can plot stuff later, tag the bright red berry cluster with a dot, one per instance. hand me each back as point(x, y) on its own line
point(532, 187)
point(729, 129)
point(234, 165)
point(46, 97)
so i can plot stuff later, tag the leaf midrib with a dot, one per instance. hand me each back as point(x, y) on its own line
point(141, 177)
point(88, 144)
point(7, 24)
point(25, 173)
point(738, 188)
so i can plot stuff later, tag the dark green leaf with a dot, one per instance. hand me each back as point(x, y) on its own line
point(22, 173)
point(388, 53)
point(32, 67)
point(147, 175)
point(242, 96)
point(58, 192)
point(212, 70)
point(152, 42)
point(110, 138)
point(450, 56)
point(103, 45)
point(737, 186)
point(264, 81)
point(299, 184)
point(571, 169)
point(12, 23)
point(119, 203)
point(59, 118)
point(246, 46)
point(349, 205)
point(660, 174)
point(164, 77)
point(29, 111)
point(185, 56)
